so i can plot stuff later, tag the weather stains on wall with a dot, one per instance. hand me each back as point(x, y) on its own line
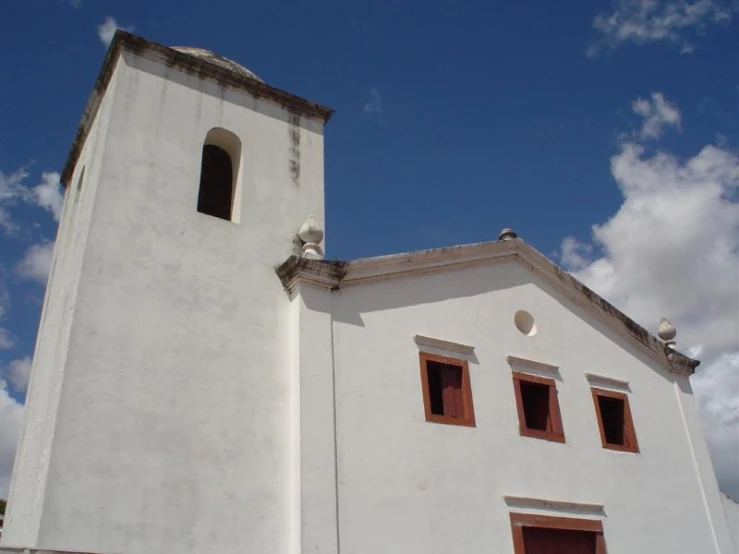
point(293, 160)
point(220, 73)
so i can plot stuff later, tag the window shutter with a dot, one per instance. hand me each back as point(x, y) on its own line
point(451, 385)
point(552, 417)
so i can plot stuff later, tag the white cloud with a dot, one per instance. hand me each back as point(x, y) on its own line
point(18, 373)
point(13, 190)
point(373, 107)
point(36, 263)
point(7, 340)
point(48, 194)
point(107, 29)
point(574, 254)
point(644, 21)
point(12, 187)
point(672, 250)
point(658, 114)
point(6, 221)
point(11, 415)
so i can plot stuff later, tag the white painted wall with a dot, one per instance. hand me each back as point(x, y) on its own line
point(169, 416)
point(31, 467)
point(411, 486)
point(731, 510)
point(314, 451)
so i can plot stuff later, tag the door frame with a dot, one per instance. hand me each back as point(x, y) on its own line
point(519, 521)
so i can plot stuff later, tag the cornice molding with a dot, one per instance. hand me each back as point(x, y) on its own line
point(318, 273)
point(439, 344)
point(608, 382)
point(187, 63)
point(425, 262)
point(530, 503)
point(525, 363)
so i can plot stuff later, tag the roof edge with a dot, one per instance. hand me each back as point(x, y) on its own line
point(124, 41)
point(423, 262)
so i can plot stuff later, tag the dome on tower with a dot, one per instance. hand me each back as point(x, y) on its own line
point(214, 58)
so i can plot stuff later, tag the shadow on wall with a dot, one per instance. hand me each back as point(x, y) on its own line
point(418, 290)
point(471, 282)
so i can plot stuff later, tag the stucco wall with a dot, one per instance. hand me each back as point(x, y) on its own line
point(731, 510)
point(411, 486)
point(172, 428)
point(31, 467)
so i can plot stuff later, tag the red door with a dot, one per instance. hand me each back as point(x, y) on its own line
point(558, 541)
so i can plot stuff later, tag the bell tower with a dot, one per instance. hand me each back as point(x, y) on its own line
point(157, 416)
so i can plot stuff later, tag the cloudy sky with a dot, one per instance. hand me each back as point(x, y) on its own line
point(604, 132)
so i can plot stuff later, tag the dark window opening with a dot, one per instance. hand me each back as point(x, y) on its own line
point(612, 415)
point(614, 421)
point(445, 389)
point(79, 181)
point(535, 398)
point(216, 183)
point(538, 407)
point(545, 541)
point(447, 392)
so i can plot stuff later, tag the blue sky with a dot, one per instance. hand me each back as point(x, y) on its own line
point(604, 133)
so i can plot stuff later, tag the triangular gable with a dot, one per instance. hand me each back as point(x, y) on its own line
point(339, 275)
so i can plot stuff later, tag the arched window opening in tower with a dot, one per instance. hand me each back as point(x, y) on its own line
point(216, 182)
point(220, 175)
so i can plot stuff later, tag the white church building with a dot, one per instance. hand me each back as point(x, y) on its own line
point(204, 381)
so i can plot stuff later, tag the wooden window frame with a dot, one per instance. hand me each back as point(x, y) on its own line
point(469, 409)
point(632, 445)
point(557, 433)
point(519, 521)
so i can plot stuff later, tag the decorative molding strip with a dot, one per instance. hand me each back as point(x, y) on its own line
point(318, 273)
point(603, 381)
point(22, 550)
point(369, 274)
point(679, 363)
point(528, 503)
point(440, 344)
point(531, 364)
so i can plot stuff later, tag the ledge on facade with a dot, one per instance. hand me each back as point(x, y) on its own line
point(530, 503)
point(322, 273)
point(440, 344)
point(21, 550)
point(202, 67)
point(342, 274)
point(608, 382)
point(526, 363)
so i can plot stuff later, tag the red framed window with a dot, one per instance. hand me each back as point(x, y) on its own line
point(447, 394)
point(535, 534)
point(538, 407)
point(615, 423)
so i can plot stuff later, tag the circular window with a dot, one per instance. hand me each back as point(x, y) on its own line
point(525, 323)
